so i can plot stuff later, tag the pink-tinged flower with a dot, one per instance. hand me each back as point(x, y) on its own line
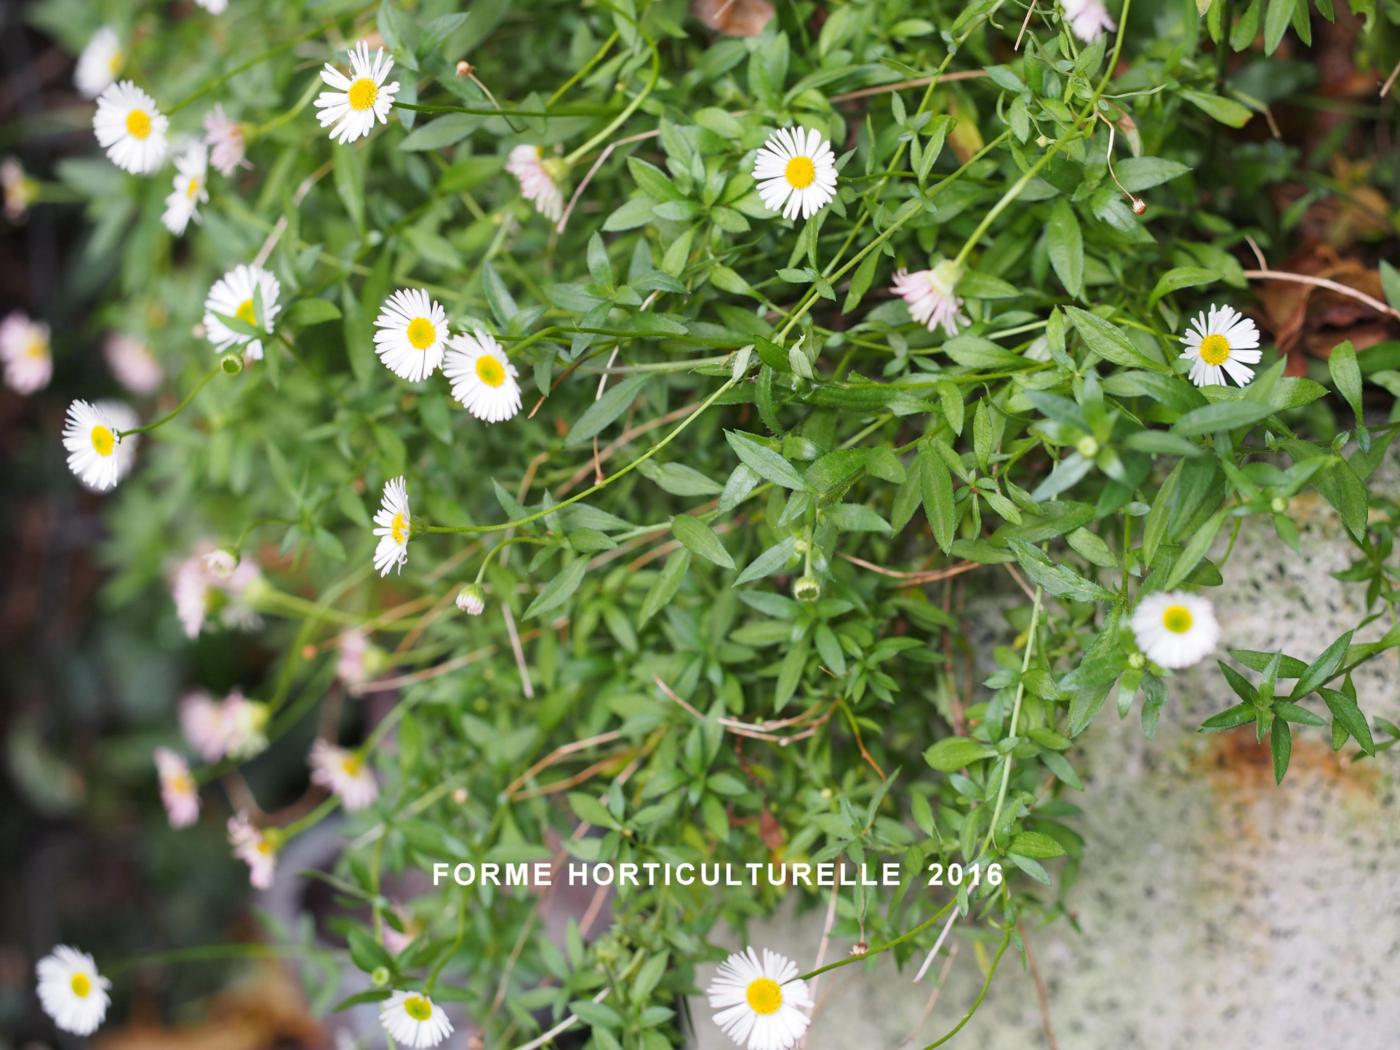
point(344, 773)
point(202, 723)
point(133, 364)
point(177, 788)
point(1088, 19)
point(931, 298)
point(245, 725)
point(24, 348)
point(254, 849)
point(528, 165)
point(204, 591)
point(350, 666)
point(20, 190)
point(224, 137)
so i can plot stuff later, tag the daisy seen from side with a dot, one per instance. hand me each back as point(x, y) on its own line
point(255, 849)
point(189, 189)
point(1088, 19)
point(931, 296)
point(393, 524)
point(100, 62)
point(538, 184)
point(345, 773)
point(178, 792)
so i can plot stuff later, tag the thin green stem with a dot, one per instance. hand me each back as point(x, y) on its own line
point(178, 408)
point(631, 107)
point(1015, 717)
point(976, 1003)
point(879, 948)
point(583, 71)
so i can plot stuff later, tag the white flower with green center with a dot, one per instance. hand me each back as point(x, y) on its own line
point(249, 294)
point(345, 773)
point(99, 63)
point(1221, 342)
point(1175, 629)
point(130, 128)
point(411, 334)
point(482, 377)
point(414, 1020)
point(24, 348)
point(357, 102)
point(930, 295)
point(189, 189)
point(393, 525)
point(178, 792)
point(761, 1006)
point(71, 990)
point(796, 172)
point(97, 452)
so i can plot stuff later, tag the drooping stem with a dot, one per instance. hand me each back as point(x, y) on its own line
point(147, 428)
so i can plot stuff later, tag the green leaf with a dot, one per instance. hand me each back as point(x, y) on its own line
point(763, 461)
point(1225, 110)
point(1066, 247)
point(955, 752)
point(1281, 746)
point(1348, 715)
point(603, 412)
point(1178, 278)
point(1057, 579)
point(1346, 376)
point(1036, 844)
point(558, 590)
point(1231, 717)
point(1109, 342)
point(699, 538)
point(304, 313)
point(442, 132)
point(1222, 415)
point(1142, 173)
point(1321, 670)
point(666, 585)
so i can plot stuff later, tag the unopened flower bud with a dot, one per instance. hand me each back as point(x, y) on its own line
point(232, 364)
point(380, 976)
point(465, 68)
point(1137, 661)
point(1087, 446)
point(807, 589)
point(859, 948)
point(221, 563)
point(471, 599)
point(1139, 206)
point(1278, 504)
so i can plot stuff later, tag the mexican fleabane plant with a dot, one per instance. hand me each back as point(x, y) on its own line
point(636, 403)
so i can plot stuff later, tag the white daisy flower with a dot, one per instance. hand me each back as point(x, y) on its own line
point(99, 63)
point(133, 364)
point(19, 189)
point(177, 788)
point(483, 379)
point(796, 172)
point(189, 189)
point(97, 453)
point(1219, 343)
point(1088, 19)
point(1175, 629)
point(393, 526)
point(414, 1020)
point(537, 185)
point(471, 599)
point(760, 1006)
point(130, 128)
point(245, 725)
point(202, 723)
point(254, 849)
point(931, 296)
point(24, 348)
point(345, 773)
point(412, 331)
point(71, 990)
point(214, 7)
point(224, 137)
point(360, 100)
point(235, 294)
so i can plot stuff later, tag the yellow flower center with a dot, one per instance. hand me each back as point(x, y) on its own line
point(418, 1008)
point(246, 313)
point(764, 995)
point(263, 847)
point(421, 333)
point(192, 190)
point(38, 349)
point(1215, 349)
point(138, 124)
point(362, 93)
point(398, 528)
point(351, 765)
point(1177, 619)
point(800, 172)
point(181, 784)
point(81, 985)
point(103, 440)
point(489, 370)
point(115, 65)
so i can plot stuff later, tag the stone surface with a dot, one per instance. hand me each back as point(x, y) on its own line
point(1214, 909)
